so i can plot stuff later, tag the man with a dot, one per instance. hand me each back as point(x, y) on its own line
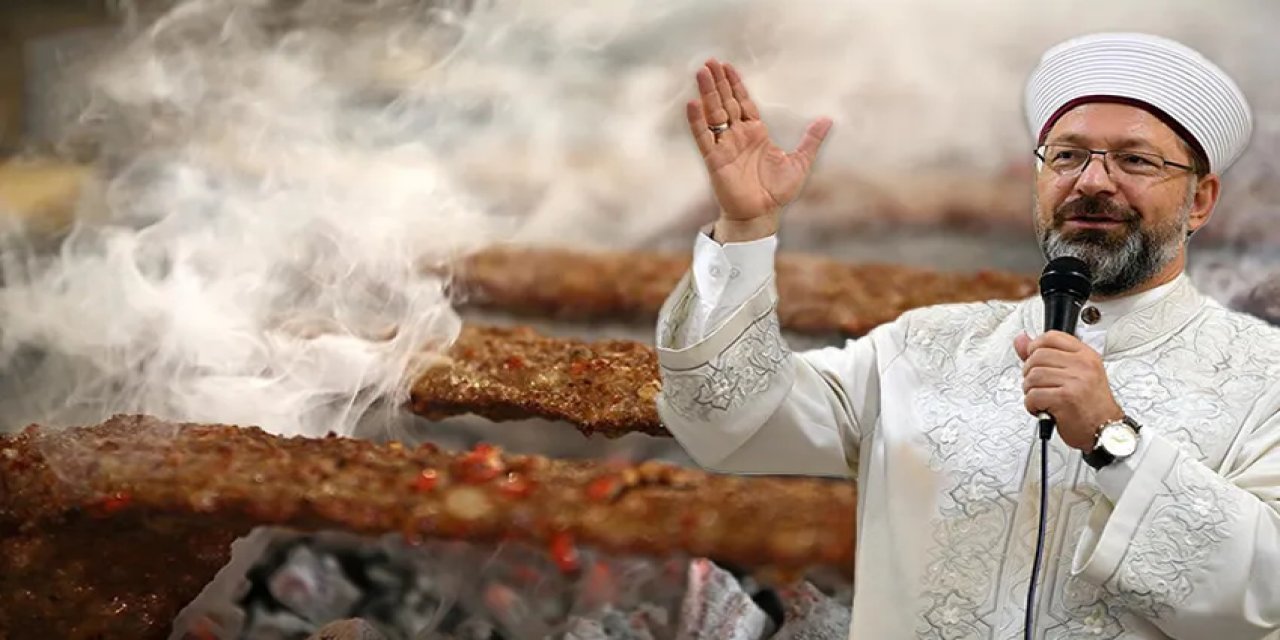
point(1176, 537)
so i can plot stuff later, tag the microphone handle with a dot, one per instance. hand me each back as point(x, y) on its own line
point(1061, 312)
point(1047, 424)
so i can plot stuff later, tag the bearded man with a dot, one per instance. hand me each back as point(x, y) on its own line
point(1164, 484)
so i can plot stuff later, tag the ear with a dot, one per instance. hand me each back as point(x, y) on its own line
point(1203, 201)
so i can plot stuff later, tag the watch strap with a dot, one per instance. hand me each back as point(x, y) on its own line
point(1100, 457)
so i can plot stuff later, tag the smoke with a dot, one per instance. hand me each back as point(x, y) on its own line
point(267, 247)
point(283, 185)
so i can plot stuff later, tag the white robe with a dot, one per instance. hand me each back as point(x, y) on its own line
point(926, 413)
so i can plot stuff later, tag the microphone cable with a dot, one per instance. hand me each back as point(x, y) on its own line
point(1046, 431)
point(1065, 285)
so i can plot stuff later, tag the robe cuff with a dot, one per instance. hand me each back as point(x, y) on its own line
point(761, 303)
point(1110, 530)
point(1113, 478)
point(719, 390)
point(727, 275)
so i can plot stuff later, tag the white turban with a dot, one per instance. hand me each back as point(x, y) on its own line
point(1172, 81)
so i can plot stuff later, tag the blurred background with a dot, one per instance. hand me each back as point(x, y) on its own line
point(568, 115)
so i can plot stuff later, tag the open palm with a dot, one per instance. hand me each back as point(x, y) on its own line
point(752, 177)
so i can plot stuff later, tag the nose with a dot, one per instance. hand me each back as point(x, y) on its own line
point(1094, 179)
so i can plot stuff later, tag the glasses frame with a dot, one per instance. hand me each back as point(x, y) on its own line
point(1040, 152)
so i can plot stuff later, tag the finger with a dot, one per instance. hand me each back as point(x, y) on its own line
point(698, 127)
point(725, 90)
point(814, 134)
point(749, 110)
point(1042, 378)
point(1057, 340)
point(1041, 400)
point(1046, 358)
point(1022, 346)
point(712, 108)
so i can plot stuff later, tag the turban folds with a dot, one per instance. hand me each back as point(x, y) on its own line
point(1172, 81)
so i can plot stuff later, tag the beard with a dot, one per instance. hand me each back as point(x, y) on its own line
point(1120, 259)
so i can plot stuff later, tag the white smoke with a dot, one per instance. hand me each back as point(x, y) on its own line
point(283, 184)
point(262, 248)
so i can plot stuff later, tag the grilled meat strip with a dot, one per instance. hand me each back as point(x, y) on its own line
point(106, 531)
point(816, 295)
point(604, 387)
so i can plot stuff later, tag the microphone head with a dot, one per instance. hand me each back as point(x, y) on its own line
point(1066, 275)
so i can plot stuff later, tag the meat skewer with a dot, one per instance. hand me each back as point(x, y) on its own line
point(148, 493)
point(816, 295)
point(604, 387)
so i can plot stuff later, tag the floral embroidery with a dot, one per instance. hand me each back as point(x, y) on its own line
point(1192, 386)
point(674, 326)
point(745, 369)
point(1193, 516)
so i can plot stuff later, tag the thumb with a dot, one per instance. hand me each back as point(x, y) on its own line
point(814, 134)
point(1022, 345)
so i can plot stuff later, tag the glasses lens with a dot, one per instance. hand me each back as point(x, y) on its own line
point(1136, 163)
point(1065, 159)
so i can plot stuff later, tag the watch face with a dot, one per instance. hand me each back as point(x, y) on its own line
point(1119, 440)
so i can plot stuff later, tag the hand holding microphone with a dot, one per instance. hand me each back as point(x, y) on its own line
point(1064, 382)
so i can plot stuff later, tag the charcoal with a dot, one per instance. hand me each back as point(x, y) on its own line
point(715, 606)
point(475, 629)
point(314, 586)
point(611, 623)
point(654, 618)
point(277, 624)
point(812, 615)
point(513, 613)
point(585, 629)
point(348, 630)
point(439, 590)
point(771, 604)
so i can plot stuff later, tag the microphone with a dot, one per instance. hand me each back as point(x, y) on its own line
point(1065, 284)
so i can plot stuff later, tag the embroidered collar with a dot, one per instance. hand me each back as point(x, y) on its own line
point(1134, 321)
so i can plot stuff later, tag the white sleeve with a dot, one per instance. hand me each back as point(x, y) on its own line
point(724, 276)
point(1194, 550)
point(740, 401)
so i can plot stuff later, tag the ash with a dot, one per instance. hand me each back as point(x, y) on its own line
point(301, 584)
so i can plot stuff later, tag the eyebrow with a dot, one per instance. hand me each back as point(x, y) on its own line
point(1121, 144)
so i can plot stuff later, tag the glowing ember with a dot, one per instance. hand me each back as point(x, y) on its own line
point(426, 481)
point(563, 552)
point(516, 486)
point(604, 488)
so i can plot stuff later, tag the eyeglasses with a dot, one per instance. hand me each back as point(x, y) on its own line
point(1069, 161)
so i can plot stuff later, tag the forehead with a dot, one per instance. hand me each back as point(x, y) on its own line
point(1103, 124)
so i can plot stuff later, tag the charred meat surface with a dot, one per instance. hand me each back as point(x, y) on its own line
point(96, 576)
point(172, 492)
point(605, 387)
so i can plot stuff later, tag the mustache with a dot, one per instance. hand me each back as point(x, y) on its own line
point(1094, 207)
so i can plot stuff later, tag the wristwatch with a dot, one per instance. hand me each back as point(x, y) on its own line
point(1116, 440)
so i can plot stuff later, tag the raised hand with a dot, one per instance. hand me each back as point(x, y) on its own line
point(753, 178)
